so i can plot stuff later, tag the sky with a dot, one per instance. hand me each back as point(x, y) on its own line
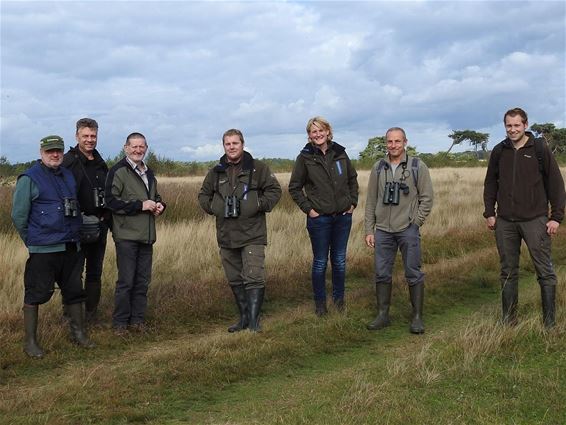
point(183, 72)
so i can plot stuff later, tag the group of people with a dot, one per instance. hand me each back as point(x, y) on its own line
point(63, 207)
point(54, 198)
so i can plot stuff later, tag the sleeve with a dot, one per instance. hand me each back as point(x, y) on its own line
point(113, 191)
point(158, 197)
point(71, 163)
point(555, 188)
point(490, 185)
point(297, 183)
point(353, 183)
point(270, 192)
point(371, 202)
point(21, 204)
point(206, 193)
point(426, 194)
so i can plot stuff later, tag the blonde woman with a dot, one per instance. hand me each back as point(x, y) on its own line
point(324, 185)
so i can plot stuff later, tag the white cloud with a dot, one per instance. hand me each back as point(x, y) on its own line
point(204, 152)
point(184, 72)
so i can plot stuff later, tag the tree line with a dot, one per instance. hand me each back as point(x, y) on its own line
point(554, 137)
point(374, 150)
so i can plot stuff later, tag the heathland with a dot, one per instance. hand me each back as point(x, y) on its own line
point(466, 368)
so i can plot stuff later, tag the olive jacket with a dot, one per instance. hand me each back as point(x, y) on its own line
point(327, 183)
point(413, 207)
point(255, 191)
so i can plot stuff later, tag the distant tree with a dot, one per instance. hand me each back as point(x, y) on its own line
point(474, 138)
point(377, 148)
point(555, 137)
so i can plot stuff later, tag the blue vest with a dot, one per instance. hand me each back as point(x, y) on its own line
point(47, 224)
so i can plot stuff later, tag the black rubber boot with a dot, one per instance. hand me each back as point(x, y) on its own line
point(31, 347)
point(92, 290)
point(416, 293)
point(548, 296)
point(383, 296)
point(255, 300)
point(65, 315)
point(242, 303)
point(77, 326)
point(509, 301)
point(320, 308)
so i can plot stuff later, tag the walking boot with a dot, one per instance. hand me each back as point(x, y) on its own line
point(31, 347)
point(255, 300)
point(92, 290)
point(320, 308)
point(509, 301)
point(548, 295)
point(242, 303)
point(417, 296)
point(383, 296)
point(77, 326)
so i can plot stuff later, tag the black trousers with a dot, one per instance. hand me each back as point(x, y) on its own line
point(134, 260)
point(43, 270)
point(93, 256)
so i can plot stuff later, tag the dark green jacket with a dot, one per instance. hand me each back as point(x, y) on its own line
point(326, 183)
point(255, 199)
point(125, 192)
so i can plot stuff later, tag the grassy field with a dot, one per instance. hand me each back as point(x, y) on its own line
point(466, 369)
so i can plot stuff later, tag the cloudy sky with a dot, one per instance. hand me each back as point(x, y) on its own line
point(183, 72)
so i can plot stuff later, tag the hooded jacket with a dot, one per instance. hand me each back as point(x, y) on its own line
point(326, 183)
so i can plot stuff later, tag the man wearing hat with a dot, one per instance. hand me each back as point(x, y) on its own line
point(47, 216)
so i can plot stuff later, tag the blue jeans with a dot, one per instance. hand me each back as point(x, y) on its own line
point(329, 233)
point(408, 242)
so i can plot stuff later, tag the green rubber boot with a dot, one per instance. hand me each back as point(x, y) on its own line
point(31, 347)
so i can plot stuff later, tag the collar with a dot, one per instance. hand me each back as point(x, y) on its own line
point(141, 167)
point(247, 163)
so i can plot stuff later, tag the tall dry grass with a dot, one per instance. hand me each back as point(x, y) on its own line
point(187, 270)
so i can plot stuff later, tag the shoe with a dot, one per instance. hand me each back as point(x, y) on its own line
point(340, 305)
point(120, 330)
point(320, 308)
point(138, 328)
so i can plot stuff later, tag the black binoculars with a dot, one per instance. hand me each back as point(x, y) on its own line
point(98, 197)
point(391, 193)
point(71, 207)
point(231, 207)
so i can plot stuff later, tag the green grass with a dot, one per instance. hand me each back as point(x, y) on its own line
point(466, 369)
point(305, 370)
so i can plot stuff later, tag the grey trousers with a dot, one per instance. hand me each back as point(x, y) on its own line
point(386, 245)
point(508, 236)
point(244, 266)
